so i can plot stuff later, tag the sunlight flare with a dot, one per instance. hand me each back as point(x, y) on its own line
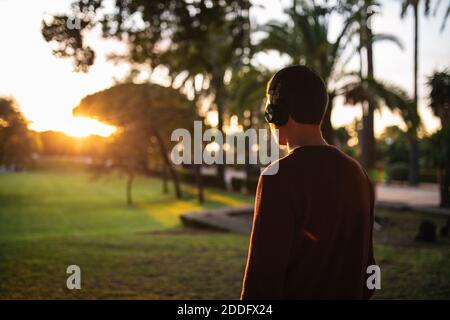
point(83, 127)
point(80, 127)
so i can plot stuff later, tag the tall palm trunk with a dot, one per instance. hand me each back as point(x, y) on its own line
point(368, 137)
point(326, 127)
point(414, 145)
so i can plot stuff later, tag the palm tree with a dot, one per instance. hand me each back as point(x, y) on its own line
point(367, 8)
point(381, 93)
point(439, 83)
point(210, 45)
point(377, 93)
point(368, 145)
point(191, 38)
point(414, 4)
point(247, 91)
point(304, 38)
point(414, 154)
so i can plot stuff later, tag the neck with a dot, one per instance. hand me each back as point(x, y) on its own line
point(304, 135)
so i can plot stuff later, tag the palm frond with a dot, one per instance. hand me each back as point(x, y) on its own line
point(361, 90)
point(404, 7)
point(444, 21)
point(388, 37)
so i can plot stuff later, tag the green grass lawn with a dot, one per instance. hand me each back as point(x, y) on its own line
point(52, 219)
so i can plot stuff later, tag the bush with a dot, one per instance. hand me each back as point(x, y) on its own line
point(429, 175)
point(189, 176)
point(376, 175)
point(397, 172)
point(237, 184)
point(427, 231)
point(61, 163)
point(252, 183)
point(212, 181)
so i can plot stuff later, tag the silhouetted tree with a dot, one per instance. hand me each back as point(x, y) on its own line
point(145, 116)
point(393, 146)
point(305, 39)
point(59, 143)
point(193, 39)
point(367, 39)
point(16, 141)
point(414, 4)
point(439, 84)
point(379, 93)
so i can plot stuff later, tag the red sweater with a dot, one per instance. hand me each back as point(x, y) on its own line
point(312, 229)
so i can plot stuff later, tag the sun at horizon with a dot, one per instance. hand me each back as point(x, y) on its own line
point(80, 127)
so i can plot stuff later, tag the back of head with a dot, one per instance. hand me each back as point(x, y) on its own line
point(301, 91)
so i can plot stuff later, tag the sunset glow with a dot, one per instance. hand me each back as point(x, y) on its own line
point(81, 127)
point(48, 104)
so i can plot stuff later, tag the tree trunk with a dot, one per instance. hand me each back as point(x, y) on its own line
point(219, 90)
point(413, 176)
point(129, 188)
point(173, 173)
point(164, 179)
point(368, 136)
point(327, 128)
point(248, 150)
point(414, 145)
point(165, 157)
point(199, 178)
point(445, 188)
point(445, 183)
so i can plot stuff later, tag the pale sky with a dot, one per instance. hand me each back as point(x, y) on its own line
point(47, 89)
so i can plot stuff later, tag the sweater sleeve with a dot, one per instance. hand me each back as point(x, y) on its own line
point(270, 243)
